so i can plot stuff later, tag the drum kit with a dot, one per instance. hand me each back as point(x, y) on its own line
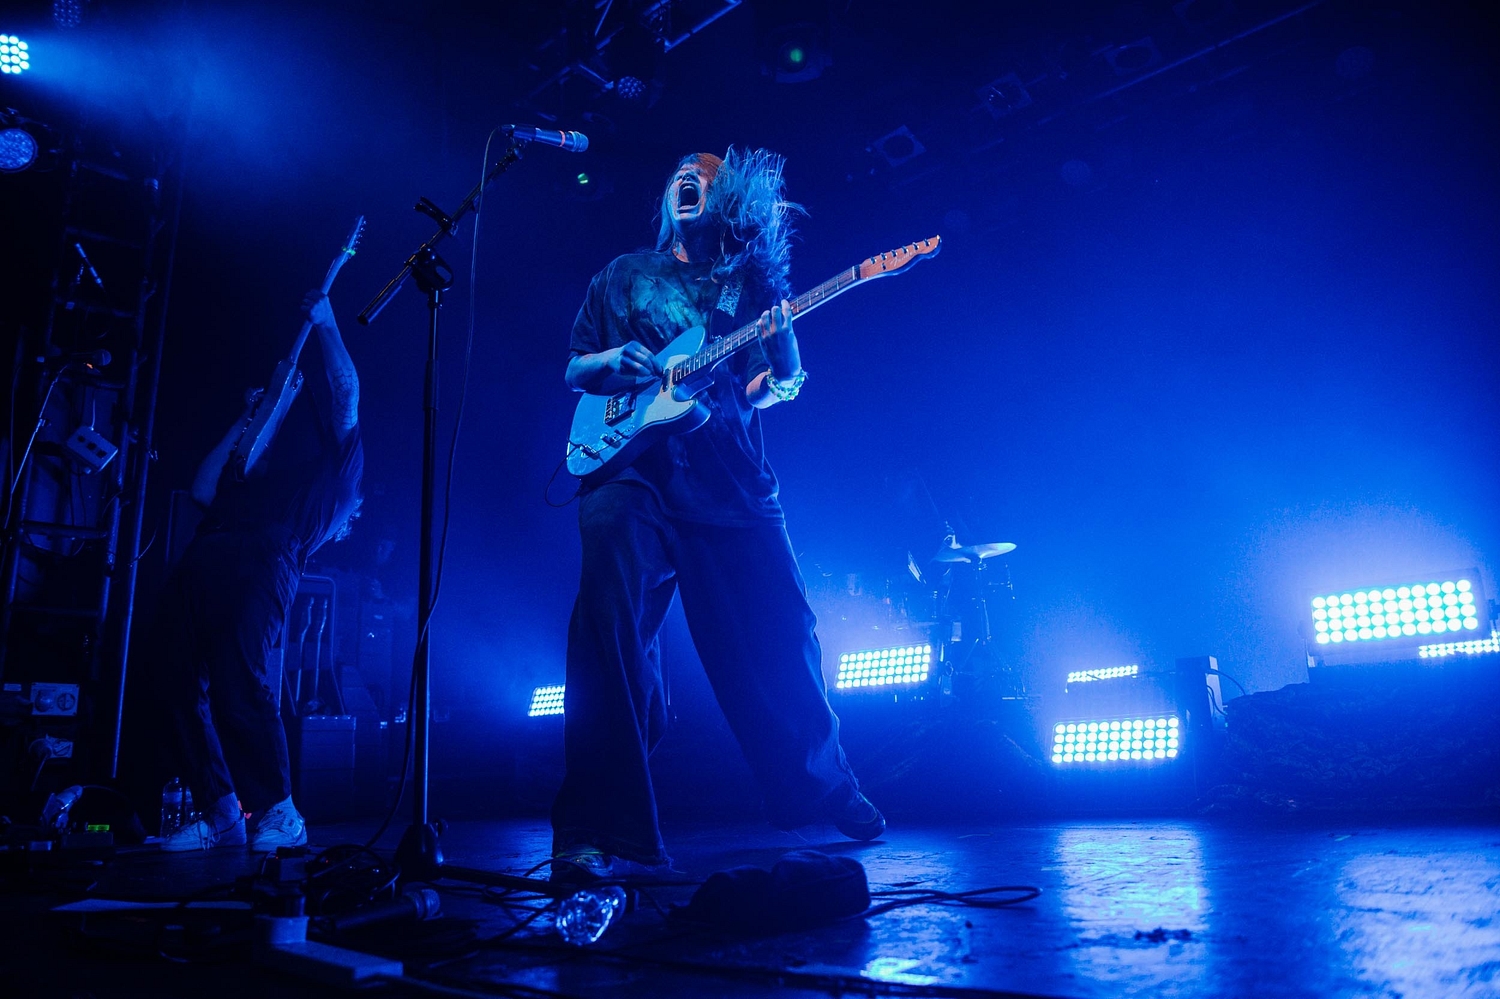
point(952, 597)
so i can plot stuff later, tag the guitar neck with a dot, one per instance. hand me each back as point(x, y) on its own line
point(743, 337)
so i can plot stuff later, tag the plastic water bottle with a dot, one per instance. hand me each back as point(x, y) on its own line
point(583, 916)
point(176, 806)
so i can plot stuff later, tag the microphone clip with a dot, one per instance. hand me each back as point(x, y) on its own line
point(442, 218)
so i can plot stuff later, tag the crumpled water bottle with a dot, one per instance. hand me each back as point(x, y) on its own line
point(583, 916)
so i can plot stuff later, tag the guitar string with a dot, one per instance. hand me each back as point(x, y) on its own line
point(747, 334)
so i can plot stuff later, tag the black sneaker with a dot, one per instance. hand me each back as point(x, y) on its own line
point(856, 817)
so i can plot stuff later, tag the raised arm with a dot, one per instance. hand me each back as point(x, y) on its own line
point(206, 481)
point(343, 380)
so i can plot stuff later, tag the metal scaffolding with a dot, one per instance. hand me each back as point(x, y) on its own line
point(81, 453)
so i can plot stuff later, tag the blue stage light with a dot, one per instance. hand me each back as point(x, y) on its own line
point(1107, 673)
point(1473, 647)
point(1395, 612)
point(17, 149)
point(906, 664)
point(1117, 741)
point(547, 700)
point(15, 55)
point(68, 13)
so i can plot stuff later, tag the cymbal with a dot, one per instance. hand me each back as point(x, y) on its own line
point(971, 553)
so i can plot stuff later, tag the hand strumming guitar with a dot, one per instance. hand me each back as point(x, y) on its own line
point(612, 370)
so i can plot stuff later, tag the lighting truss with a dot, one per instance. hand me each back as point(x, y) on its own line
point(1118, 741)
point(1108, 673)
point(906, 664)
point(1395, 612)
point(15, 55)
point(1474, 647)
point(546, 700)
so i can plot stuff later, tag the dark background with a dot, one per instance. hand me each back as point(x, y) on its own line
point(1200, 347)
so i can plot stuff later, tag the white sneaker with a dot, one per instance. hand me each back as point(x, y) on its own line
point(200, 834)
point(279, 825)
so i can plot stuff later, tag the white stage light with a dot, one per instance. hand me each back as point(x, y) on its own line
point(1429, 608)
point(906, 664)
point(547, 700)
point(15, 55)
point(1107, 673)
point(1117, 742)
point(1472, 647)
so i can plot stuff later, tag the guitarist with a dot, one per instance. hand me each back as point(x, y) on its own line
point(696, 513)
point(224, 605)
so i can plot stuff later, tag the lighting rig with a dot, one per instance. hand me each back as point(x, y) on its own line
point(1127, 729)
point(1436, 617)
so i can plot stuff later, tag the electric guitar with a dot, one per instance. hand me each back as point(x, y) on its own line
point(272, 407)
point(609, 431)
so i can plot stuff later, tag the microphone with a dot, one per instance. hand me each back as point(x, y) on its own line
point(413, 905)
point(568, 142)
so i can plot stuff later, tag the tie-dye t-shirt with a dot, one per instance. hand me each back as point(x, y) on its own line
point(717, 474)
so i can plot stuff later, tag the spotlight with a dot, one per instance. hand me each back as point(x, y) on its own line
point(1117, 741)
point(15, 55)
point(906, 664)
point(633, 54)
point(1108, 673)
point(1389, 622)
point(792, 39)
point(68, 13)
point(17, 150)
point(1004, 96)
point(899, 146)
point(546, 700)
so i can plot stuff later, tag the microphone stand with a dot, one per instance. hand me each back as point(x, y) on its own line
point(420, 855)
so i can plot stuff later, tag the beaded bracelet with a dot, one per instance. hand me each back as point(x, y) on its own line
point(785, 391)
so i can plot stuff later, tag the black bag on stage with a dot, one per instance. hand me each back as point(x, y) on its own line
point(802, 890)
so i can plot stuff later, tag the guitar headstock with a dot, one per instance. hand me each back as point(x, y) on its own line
point(896, 261)
point(352, 243)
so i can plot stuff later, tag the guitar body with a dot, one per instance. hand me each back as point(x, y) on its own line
point(610, 431)
point(269, 414)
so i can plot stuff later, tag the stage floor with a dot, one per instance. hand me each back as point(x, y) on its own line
point(1128, 908)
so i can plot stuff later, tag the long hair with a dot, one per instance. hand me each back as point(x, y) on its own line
point(747, 198)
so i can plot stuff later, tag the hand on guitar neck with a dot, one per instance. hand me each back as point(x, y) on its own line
point(780, 346)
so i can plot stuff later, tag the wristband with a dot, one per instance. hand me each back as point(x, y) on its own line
point(785, 391)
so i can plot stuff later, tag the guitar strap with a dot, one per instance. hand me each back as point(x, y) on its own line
point(729, 295)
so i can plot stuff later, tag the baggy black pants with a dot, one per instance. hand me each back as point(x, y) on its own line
point(220, 615)
point(746, 608)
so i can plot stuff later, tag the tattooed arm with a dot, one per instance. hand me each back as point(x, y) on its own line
point(343, 380)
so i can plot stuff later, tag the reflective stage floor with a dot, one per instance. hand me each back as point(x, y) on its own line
point(1127, 908)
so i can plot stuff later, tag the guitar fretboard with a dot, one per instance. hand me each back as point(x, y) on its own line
point(716, 351)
